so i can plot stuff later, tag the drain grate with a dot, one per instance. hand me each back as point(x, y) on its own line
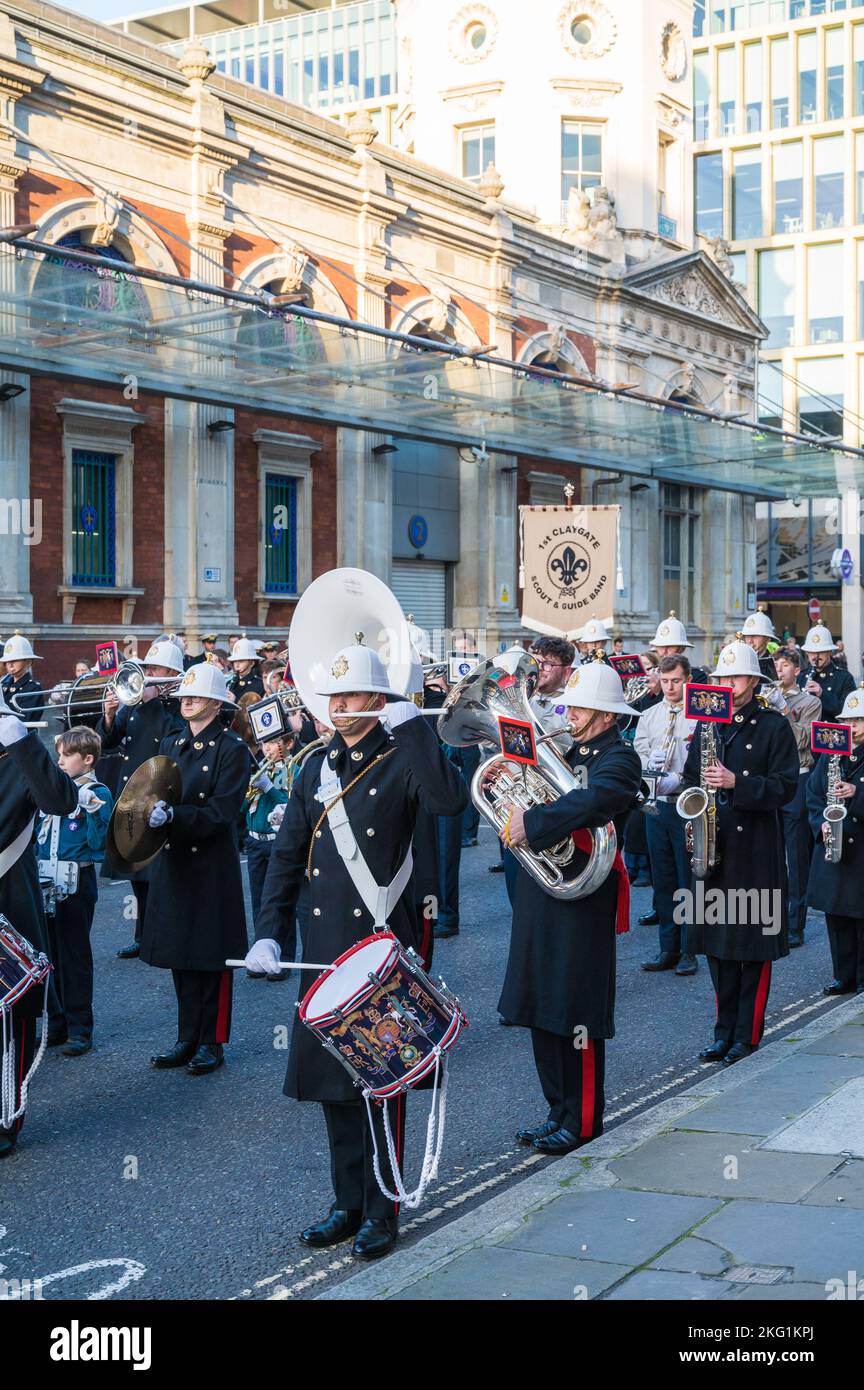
point(757, 1274)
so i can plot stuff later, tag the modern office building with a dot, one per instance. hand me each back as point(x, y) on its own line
point(779, 174)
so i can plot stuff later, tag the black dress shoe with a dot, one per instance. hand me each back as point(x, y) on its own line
point(256, 975)
point(506, 1022)
point(208, 1057)
point(558, 1143)
point(8, 1140)
point(736, 1052)
point(338, 1226)
point(835, 987)
point(496, 868)
point(177, 1056)
point(469, 844)
point(527, 1136)
point(376, 1236)
point(640, 882)
point(56, 1037)
point(278, 977)
point(716, 1052)
point(796, 939)
point(76, 1047)
point(667, 960)
point(649, 919)
point(129, 952)
point(441, 933)
point(687, 965)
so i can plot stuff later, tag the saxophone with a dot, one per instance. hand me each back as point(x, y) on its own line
point(834, 813)
point(698, 807)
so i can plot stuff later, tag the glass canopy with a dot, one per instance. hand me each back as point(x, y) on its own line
point(76, 315)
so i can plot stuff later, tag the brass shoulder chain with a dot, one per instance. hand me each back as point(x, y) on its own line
point(328, 808)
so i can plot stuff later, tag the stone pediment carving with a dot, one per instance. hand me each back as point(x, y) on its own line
point(690, 292)
point(698, 286)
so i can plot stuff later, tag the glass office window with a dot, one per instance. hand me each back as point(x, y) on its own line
point(820, 395)
point(702, 94)
point(859, 258)
point(807, 52)
point(769, 394)
point(780, 83)
point(709, 194)
point(776, 296)
point(753, 86)
point(859, 177)
point(858, 67)
point(739, 268)
point(825, 293)
point(834, 75)
point(746, 194)
point(478, 151)
point(727, 89)
point(789, 187)
point(828, 182)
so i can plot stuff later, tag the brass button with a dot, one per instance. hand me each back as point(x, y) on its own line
point(194, 849)
point(333, 756)
point(373, 790)
point(745, 773)
point(356, 912)
point(739, 827)
point(315, 873)
point(197, 744)
point(356, 757)
point(201, 795)
point(584, 749)
point(748, 745)
point(739, 719)
point(316, 912)
point(205, 768)
point(370, 831)
point(317, 834)
point(740, 716)
point(212, 743)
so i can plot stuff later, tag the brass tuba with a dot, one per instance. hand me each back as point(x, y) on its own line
point(470, 716)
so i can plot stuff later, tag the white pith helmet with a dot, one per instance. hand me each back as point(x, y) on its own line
point(758, 625)
point(205, 681)
point(17, 648)
point(165, 653)
point(737, 659)
point(357, 670)
point(671, 632)
point(819, 639)
point(597, 686)
point(245, 649)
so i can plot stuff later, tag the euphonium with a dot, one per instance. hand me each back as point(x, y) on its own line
point(470, 716)
point(834, 813)
point(697, 806)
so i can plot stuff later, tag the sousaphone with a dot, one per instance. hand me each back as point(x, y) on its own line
point(332, 611)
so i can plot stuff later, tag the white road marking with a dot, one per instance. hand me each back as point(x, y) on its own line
point(132, 1271)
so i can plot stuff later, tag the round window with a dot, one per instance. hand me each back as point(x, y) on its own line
point(476, 35)
point(581, 31)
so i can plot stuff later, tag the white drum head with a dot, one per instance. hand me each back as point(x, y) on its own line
point(348, 979)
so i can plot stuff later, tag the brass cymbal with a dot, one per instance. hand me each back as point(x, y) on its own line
point(137, 842)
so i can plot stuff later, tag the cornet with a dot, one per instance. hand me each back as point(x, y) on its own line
point(87, 694)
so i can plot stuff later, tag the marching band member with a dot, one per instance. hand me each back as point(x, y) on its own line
point(800, 708)
point(29, 782)
point(208, 650)
point(78, 838)
point(268, 788)
point(380, 773)
point(139, 730)
point(836, 889)
point(758, 632)
point(755, 775)
point(19, 683)
point(662, 739)
point(195, 917)
point(670, 639)
point(555, 657)
point(825, 679)
point(560, 979)
point(593, 639)
point(245, 662)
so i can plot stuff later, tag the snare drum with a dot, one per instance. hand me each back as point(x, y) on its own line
point(377, 1010)
point(21, 967)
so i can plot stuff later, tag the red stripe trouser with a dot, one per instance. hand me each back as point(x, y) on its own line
point(741, 988)
point(203, 1005)
point(24, 1039)
point(572, 1079)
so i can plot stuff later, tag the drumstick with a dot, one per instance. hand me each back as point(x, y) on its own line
point(285, 965)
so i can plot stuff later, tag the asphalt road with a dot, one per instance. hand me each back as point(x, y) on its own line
point(132, 1183)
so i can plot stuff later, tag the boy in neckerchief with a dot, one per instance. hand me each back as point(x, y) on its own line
point(269, 788)
point(68, 849)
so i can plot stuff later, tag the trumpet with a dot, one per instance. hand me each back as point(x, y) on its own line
point(265, 769)
point(87, 693)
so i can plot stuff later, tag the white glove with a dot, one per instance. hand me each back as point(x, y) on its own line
point(12, 730)
point(399, 712)
point(264, 956)
point(668, 783)
point(161, 814)
point(276, 816)
point(88, 800)
point(262, 783)
point(777, 700)
point(656, 759)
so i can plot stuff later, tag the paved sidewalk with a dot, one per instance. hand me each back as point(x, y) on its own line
point(750, 1185)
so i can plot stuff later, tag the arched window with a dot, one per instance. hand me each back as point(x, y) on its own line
point(75, 286)
point(279, 331)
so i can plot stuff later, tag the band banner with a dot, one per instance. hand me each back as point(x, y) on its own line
point(567, 566)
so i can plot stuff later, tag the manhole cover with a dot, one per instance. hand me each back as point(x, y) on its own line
point(757, 1274)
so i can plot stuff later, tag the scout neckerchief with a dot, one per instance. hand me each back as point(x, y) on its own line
point(378, 900)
